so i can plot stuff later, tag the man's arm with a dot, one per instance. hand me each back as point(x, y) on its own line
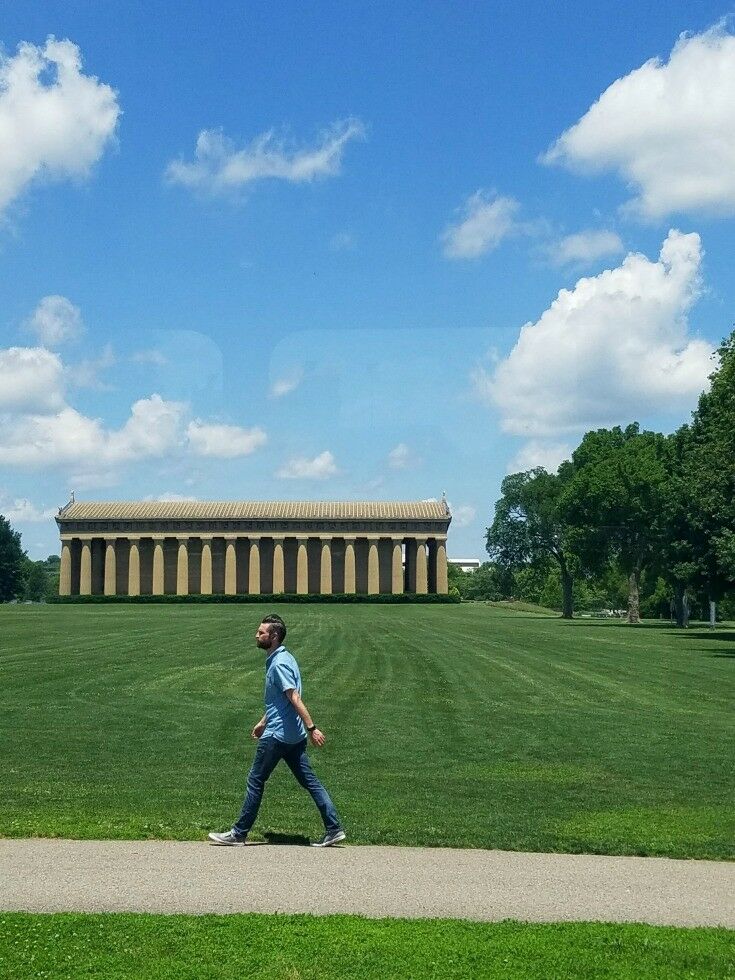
point(259, 728)
point(302, 711)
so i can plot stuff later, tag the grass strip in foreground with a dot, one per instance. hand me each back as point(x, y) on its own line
point(307, 948)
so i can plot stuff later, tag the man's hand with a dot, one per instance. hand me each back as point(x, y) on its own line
point(258, 729)
point(317, 738)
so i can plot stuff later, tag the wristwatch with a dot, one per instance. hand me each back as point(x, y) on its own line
point(310, 728)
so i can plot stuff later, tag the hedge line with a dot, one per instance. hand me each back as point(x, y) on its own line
point(381, 599)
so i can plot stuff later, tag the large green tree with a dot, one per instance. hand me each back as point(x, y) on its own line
point(36, 580)
point(615, 501)
point(529, 529)
point(707, 488)
point(11, 561)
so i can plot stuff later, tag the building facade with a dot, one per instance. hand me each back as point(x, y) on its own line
point(273, 547)
point(465, 564)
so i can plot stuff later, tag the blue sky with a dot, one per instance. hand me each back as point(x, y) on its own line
point(276, 251)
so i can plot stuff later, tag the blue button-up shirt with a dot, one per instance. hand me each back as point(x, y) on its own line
point(282, 674)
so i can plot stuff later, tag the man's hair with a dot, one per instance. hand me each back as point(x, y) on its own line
point(275, 625)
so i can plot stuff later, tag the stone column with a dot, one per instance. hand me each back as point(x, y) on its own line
point(422, 578)
point(325, 584)
point(134, 568)
point(85, 569)
point(442, 581)
point(65, 569)
point(110, 586)
point(206, 567)
point(230, 566)
point(397, 566)
point(279, 576)
point(350, 578)
point(254, 567)
point(182, 568)
point(373, 567)
point(157, 586)
point(302, 567)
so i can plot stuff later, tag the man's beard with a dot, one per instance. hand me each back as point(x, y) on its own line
point(263, 644)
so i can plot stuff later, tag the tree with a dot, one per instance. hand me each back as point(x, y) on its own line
point(708, 477)
point(11, 561)
point(615, 501)
point(36, 586)
point(530, 529)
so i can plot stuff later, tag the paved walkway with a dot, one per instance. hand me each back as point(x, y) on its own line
point(171, 876)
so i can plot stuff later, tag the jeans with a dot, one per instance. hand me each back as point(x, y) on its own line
point(269, 753)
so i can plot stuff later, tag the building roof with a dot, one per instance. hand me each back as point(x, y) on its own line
point(254, 510)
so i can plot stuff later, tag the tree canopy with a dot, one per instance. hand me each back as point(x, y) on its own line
point(11, 561)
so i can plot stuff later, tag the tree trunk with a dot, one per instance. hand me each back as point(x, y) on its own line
point(567, 602)
point(634, 599)
point(679, 604)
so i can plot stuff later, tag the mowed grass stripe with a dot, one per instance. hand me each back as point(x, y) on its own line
point(289, 947)
point(458, 725)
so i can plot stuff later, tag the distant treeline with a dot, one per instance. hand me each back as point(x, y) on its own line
point(635, 519)
point(20, 578)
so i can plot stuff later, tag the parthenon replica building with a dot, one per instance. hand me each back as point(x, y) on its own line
point(260, 548)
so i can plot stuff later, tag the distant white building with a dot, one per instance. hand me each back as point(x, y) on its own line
point(465, 564)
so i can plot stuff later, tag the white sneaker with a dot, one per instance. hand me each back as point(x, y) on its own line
point(331, 837)
point(228, 839)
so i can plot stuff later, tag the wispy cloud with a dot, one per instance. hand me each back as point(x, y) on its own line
point(55, 321)
point(343, 241)
point(219, 167)
point(486, 219)
point(86, 374)
point(287, 383)
point(321, 467)
point(223, 441)
point(402, 457)
point(584, 247)
point(170, 498)
point(150, 356)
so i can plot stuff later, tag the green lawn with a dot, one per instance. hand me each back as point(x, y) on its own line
point(447, 725)
point(306, 948)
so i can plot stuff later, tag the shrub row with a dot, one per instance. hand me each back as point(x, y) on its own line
point(382, 598)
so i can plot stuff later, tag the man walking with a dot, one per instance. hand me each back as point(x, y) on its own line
point(282, 734)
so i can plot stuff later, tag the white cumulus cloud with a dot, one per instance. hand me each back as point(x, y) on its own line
point(67, 437)
point(55, 321)
point(40, 429)
point(462, 515)
point(223, 441)
point(486, 220)
point(321, 467)
point(538, 452)
point(20, 510)
point(614, 348)
point(584, 247)
point(55, 121)
point(667, 128)
point(31, 379)
point(219, 166)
